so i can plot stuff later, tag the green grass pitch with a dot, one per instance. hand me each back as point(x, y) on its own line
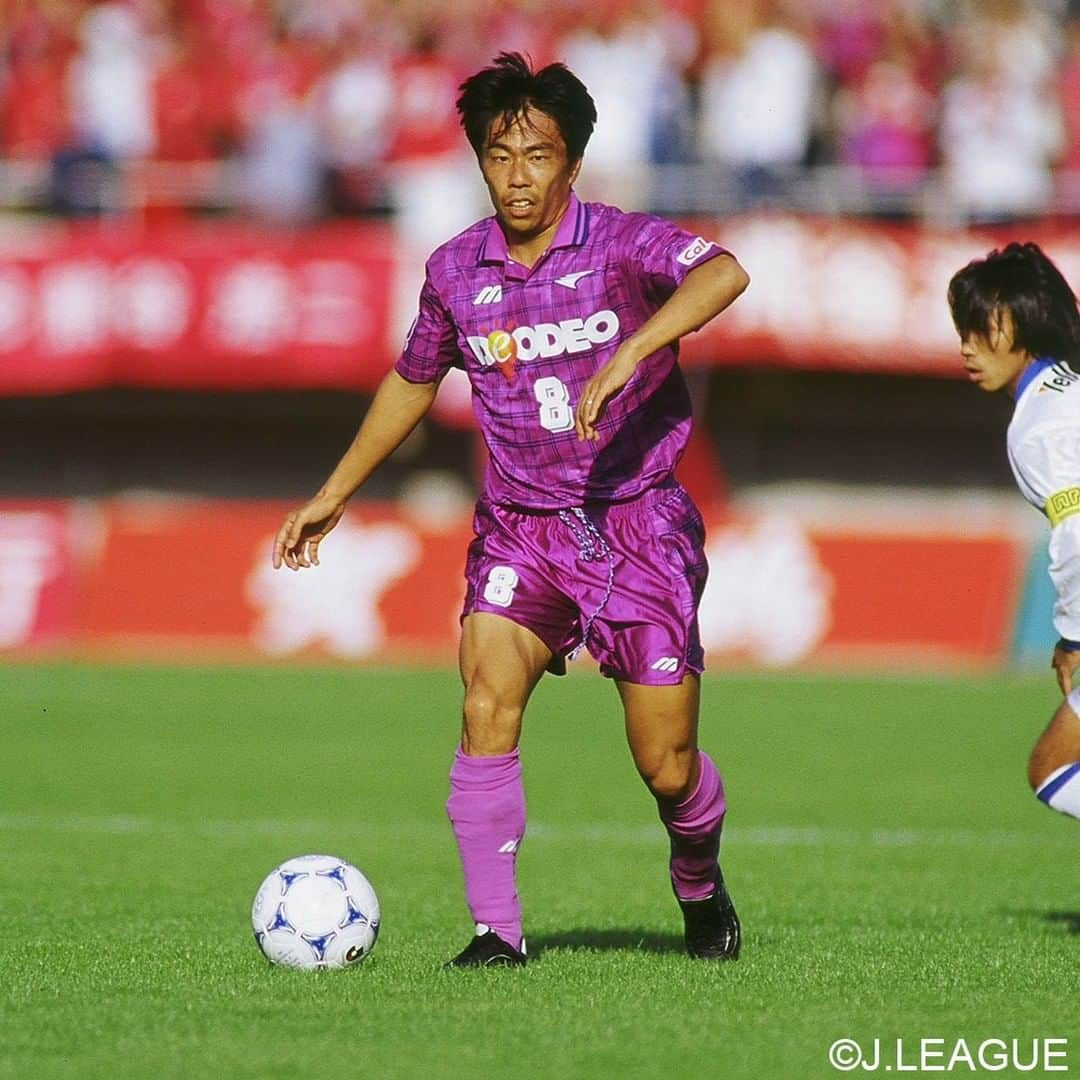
point(894, 875)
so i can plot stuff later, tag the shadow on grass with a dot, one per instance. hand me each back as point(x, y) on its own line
point(605, 940)
point(1071, 919)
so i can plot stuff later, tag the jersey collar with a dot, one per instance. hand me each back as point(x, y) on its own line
point(572, 232)
point(1031, 373)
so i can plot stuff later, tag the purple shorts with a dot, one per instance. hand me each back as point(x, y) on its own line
point(622, 579)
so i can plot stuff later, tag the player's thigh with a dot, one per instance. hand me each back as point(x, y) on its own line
point(662, 731)
point(509, 573)
point(501, 663)
point(646, 632)
point(1059, 744)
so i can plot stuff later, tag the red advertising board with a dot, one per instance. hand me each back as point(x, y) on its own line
point(193, 306)
point(199, 576)
point(850, 294)
point(43, 547)
point(193, 580)
point(223, 305)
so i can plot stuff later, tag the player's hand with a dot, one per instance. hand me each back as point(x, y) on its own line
point(600, 389)
point(297, 541)
point(1064, 664)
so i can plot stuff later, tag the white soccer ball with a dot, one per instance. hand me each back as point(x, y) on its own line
point(315, 911)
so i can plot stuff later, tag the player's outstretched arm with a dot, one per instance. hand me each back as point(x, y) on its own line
point(704, 293)
point(397, 408)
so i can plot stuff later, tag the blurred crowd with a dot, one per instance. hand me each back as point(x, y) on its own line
point(291, 110)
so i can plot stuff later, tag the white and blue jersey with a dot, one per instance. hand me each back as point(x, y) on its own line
point(1044, 452)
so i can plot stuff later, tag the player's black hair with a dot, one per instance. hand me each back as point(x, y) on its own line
point(509, 87)
point(1023, 280)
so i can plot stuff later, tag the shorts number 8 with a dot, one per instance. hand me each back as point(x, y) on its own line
point(501, 583)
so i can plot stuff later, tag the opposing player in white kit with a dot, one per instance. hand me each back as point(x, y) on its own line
point(1020, 330)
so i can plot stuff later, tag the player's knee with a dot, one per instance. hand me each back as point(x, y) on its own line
point(491, 721)
point(667, 774)
point(1058, 745)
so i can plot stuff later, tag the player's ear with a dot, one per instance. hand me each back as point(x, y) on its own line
point(574, 170)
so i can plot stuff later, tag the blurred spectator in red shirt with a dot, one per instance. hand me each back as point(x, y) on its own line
point(184, 106)
point(232, 30)
point(33, 113)
point(1070, 95)
point(530, 27)
point(885, 122)
point(431, 169)
point(850, 38)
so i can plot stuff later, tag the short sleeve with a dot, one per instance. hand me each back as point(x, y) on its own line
point(1049, 461)
point(430, 348)
point(663, 254)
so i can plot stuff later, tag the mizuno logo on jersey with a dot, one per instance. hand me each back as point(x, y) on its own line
point(545, 340)
point(570, 281)
point(666, 663)
point(489, 294)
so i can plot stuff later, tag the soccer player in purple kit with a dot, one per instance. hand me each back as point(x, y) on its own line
point(566, 317)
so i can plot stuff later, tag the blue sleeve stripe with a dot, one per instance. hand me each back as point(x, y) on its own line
point(1048, 791)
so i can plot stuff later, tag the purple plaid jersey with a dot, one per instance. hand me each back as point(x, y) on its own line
point(530, 340)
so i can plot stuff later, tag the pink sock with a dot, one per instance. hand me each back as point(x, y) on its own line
point(487, 811)
point(694, 827)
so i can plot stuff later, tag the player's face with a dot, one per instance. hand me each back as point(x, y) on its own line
point(990, 360)
point(529, 175)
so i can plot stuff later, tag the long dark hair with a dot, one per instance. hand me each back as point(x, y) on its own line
point(1023, 280)
point(510, 88)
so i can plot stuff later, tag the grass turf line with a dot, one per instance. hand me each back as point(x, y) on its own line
point(894, 876)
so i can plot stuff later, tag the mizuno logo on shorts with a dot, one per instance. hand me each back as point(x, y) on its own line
point(548, 339)
point(666, 663)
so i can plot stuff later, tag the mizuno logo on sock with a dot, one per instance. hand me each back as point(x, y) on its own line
point(509, 847)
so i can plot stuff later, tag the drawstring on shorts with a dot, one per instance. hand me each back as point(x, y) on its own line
point(592, 547)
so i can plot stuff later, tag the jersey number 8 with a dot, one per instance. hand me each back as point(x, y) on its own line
point(554, 398)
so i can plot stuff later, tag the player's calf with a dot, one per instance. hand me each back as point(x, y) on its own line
point(694, 826)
